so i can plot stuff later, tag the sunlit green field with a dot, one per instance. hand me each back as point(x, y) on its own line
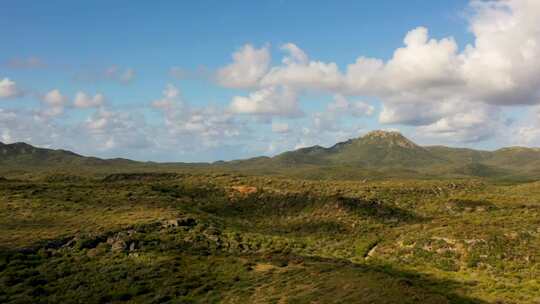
point(225, 238)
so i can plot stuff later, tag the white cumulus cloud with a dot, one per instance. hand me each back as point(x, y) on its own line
point(299, 72)
point(248, 66)
point(280, 127)
point(9, 89)
point(54, 98)
point(269, 101)
point(208, 125)
point(54, 103)
point(83, 100)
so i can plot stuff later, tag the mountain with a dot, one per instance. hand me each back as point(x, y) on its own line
point(390, 154)
point(377, 154)
point(380, 148)
point(19, 155)
point(22, 153)
point(374, 150)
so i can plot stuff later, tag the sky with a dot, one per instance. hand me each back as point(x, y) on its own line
point(204, 80)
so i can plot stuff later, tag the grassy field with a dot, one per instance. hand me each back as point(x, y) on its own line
point(227, 238)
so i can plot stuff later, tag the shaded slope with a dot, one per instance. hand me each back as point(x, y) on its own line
point(25, 155)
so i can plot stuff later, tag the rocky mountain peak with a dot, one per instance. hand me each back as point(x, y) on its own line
point(392, 138)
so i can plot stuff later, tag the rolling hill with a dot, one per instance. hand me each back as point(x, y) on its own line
point(378, 154)
point(22, 155)
point(390, 154)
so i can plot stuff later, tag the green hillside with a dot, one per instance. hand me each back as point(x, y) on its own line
point(376, 155)
point(383, 154)
point(25, 155)
point(383, 149)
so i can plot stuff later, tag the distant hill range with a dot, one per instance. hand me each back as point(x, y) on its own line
point(378, 154)
point(390, 154)
point(23, 155)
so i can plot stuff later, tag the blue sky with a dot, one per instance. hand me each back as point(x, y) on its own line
point(129, 52)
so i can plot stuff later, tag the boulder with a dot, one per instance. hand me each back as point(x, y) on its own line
point(118, 245)
point(180, 222)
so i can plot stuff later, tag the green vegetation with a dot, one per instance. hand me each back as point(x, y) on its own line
point(376, 219)
point(229, 238)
